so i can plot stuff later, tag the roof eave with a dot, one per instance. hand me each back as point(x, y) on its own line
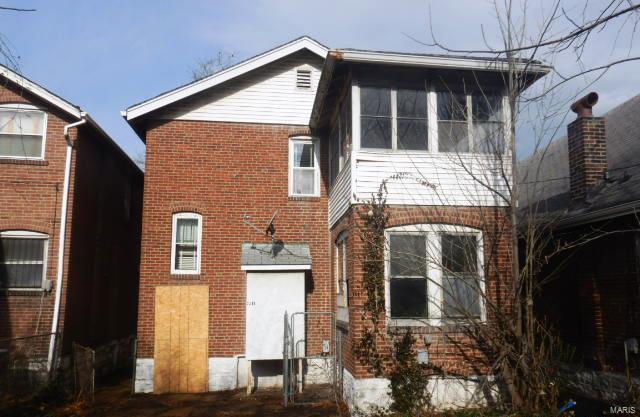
point(180, 93)
point(389, 58)
point(41, 92)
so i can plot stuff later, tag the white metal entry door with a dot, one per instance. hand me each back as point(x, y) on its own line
point(269, 295)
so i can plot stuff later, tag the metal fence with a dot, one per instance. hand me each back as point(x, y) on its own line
point(298, 354)
point(23, 363)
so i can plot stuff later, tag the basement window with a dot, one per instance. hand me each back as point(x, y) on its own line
point(23, 257)
point(22, 131)
point(186, 247)
point(303, 79)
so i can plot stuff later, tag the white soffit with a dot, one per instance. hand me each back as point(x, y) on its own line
point(258, 61)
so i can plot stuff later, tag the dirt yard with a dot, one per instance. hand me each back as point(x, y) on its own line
point(117, 401)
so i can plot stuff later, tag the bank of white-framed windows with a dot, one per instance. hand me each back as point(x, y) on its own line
point(433, 274)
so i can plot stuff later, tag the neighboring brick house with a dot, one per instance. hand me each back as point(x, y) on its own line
point(300, 137)
point(70, 222)
point(585, 190)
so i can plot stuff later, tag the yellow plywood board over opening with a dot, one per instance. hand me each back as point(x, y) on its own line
point(181, 339)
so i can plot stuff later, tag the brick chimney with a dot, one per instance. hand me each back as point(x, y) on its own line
point(587, 148)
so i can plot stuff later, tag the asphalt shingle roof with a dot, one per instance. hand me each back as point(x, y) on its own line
point(544, 176)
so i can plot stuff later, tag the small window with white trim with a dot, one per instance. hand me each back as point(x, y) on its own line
point(186, 247)
point(23, 259)
point(22, 131)
point(304, 167)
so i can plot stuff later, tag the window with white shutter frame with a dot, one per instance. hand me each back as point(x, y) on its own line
point(186, 247)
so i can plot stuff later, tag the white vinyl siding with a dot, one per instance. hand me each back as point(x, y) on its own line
point(186, 244)
point(23, 259)
point(266, 95)
point(22, 131)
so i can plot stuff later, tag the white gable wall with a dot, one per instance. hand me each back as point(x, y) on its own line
point(266, 95)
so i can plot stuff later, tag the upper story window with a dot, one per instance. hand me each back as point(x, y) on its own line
point(393, 118)
point(488, 123)
point(412, 120)
point(340, 140)
point(375, 117)
point(23, 257)
point(470, 122)
point(22, 131)
point(186, 243)
point(304, 167)
point(434, 274)
point(453, 129)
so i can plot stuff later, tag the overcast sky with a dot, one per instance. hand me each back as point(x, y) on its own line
point(108, 55)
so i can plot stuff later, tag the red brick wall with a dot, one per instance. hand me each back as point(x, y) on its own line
point(30, 199)
point(224, 171)
point(587, 154)
point(593, 296)
point(445, 350)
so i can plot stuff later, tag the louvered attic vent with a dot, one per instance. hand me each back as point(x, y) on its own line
point(303, 78)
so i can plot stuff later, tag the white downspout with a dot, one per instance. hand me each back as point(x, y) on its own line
point(61, 240)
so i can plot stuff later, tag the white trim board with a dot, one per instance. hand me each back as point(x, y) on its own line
point(265, 58)
point(275, 267)
point(40, 92)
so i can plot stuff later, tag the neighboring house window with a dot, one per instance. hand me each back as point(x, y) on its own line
point(304, 167)
point(470, 122)
point(393, 118)
point(186, 246)
point(22, 131)
point(342, 278)
point(434, 274)
point(23, 257)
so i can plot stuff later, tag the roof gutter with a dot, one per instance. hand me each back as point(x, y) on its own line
point(604, 214)
point(62, 239)
point(390, 58)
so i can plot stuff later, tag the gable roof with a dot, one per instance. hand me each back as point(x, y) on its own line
point(237, 70)
point(544, 176)
point(63, 105)
point(41, 92)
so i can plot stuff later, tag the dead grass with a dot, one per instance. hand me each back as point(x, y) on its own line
point(117, 401)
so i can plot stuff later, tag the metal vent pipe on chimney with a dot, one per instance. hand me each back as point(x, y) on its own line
point(582, 107)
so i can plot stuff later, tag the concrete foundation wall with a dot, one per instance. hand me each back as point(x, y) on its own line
point(231, 373)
